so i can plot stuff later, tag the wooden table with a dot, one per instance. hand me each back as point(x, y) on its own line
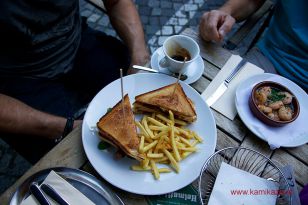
point(70, 153)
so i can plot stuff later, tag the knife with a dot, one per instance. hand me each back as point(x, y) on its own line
point(38, 194)
point(224, 85)
point(183, 76)
point(53, 194)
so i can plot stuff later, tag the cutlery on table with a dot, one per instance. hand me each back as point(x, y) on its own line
point(224, 85)
point(52, 193)
point(38, 194)
point(176, 75)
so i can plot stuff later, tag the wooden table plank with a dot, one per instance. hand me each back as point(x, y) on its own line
point(200, 84)
point(210, 71)
point(235, 127)
point(300, 169)
point(257, 144)
point(300, 152)
point(62, 155)
point(224, 141)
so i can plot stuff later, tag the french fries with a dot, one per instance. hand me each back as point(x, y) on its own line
point(164, 141)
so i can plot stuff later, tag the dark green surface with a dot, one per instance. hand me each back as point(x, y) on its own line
point(185, 196)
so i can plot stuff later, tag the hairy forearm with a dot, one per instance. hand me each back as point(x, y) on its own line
point(241, 9)
point(125, 19)
point(19, 118)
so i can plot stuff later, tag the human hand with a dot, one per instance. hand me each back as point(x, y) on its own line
point(140, 57)
point(215, 24)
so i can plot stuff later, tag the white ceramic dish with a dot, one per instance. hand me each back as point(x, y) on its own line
point(194, 71)
point(291, 135)
point(118, 172)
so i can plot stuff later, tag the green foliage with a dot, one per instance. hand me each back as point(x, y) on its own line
point(276, 96)
point(103, 145)
point(109, 110)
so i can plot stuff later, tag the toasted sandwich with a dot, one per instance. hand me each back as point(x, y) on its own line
point(118, 128)
point(165, 99)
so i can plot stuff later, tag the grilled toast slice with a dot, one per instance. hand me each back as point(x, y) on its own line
point(118, 128)
point(163, 100)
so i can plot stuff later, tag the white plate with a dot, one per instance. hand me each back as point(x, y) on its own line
point(118, 172)
point(275, 136)
point(194, 71)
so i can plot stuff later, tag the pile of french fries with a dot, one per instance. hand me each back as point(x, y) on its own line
point(164, 140)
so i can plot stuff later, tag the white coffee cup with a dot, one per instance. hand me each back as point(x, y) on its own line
point(171, 48)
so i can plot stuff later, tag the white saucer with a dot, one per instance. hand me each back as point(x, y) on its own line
point(291, 135)
point(194, 71)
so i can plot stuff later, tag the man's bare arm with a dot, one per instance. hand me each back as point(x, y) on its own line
point(19, 118)
point(241, 9)
point(125, 19)
point(215, 24)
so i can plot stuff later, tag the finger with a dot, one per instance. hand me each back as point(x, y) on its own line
point(212, 25)
point(202, 27)
point(226, 26)
point(208, 26)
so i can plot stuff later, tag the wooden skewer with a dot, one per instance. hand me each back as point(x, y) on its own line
point(179, 77)
point(122, 92)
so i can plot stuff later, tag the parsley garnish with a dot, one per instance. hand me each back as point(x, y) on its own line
point(276, 96)
point(103, 145)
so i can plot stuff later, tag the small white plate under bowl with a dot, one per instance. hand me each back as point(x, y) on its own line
point(194, 71)
point(274, 134)
point(118, 172)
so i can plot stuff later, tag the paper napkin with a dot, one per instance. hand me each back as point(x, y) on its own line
point(225, 104)
point(234, 186)
point(65, 190)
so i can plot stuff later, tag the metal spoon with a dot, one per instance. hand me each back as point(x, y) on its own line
point(176, 75)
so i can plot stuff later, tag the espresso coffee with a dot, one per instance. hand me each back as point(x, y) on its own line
point(178, 58)
point(177, 50)
point(180, 54)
